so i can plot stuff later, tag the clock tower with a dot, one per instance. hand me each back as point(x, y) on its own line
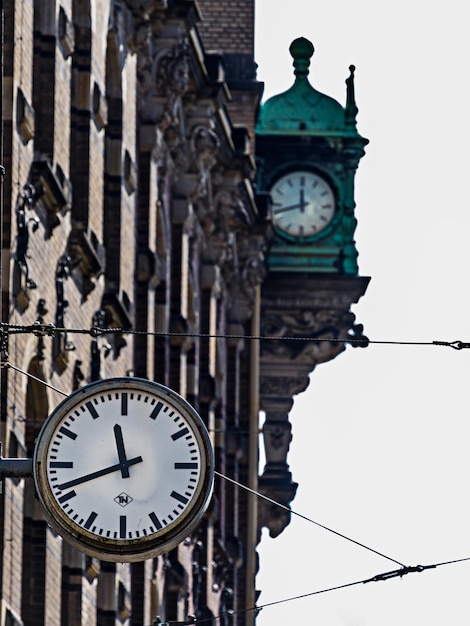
point(308, 150)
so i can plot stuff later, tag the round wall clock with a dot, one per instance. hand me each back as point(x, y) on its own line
point(303, 204)
point(124, 469)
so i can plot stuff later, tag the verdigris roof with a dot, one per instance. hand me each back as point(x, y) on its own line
point(302, 107)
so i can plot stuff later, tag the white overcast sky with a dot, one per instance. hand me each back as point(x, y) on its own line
point(381, 437)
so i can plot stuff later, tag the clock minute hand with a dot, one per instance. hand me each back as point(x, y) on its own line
point(99, 473)
point(121, 451)
point(284, 209)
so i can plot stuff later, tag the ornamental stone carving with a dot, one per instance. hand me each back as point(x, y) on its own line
point(305, 320)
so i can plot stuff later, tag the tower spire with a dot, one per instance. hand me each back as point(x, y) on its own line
point(351, 109)
point(301, 50)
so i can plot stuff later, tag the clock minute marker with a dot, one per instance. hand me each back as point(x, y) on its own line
point(158, 407)
point(68, 433)
point(122, 526)
point(93, 412)
point(186, 466)
point(124, 403)
point(179, 497)
point(179, 434)
point(155, 520)
point(93, 515)
point(67, 496)
point(57, 464)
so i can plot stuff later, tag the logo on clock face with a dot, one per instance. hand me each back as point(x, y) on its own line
point(123, 499)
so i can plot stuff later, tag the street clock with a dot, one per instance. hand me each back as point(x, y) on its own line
point(124, 469)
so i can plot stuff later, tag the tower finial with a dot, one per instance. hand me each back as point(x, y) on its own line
point(351, 108)
point(301, 50)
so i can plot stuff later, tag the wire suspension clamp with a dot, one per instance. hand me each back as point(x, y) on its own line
point(409, 569)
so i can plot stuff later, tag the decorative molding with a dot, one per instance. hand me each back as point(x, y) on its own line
point(24, 117)
point(129, 173)
point(57, 190)
point(99, 107)
point(299, 317)
point(61, 345)
point(22, 281)
point(88, 256)
point(66, 33)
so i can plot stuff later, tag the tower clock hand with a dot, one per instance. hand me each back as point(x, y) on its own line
point(121, 452)
point(284, 209)
point(99, 473)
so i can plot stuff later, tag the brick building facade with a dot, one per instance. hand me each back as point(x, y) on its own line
point(127, 205)
point(133, 244)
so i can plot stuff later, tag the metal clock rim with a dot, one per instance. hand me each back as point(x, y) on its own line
point(124, 550)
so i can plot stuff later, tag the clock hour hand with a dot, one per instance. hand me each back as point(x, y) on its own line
point(121, 452)
point(99, 473)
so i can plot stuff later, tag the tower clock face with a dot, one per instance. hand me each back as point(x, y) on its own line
point(303, 204)
point(124, 469)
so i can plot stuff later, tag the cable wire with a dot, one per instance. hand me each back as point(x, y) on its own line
point(40, 329)
point(377, 578)
point(39, 380)
point(283, 506)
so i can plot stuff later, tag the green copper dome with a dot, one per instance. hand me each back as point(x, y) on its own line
point(303, 108)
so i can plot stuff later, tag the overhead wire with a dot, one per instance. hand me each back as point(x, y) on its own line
point(41, 329)
point(308, 519)
point(377, 578)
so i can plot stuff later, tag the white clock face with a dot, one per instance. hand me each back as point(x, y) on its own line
point(124, 467)
point(303, 204)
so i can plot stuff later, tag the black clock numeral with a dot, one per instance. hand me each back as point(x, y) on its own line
point(123, 526)
point(68, 433)
point(158, 407)
point(186, 466)
point(90, 520)
point(155, 520)
point(124, 398)
point(92, 410)
point(179, 497)
point(179, 434)
point(65, 464)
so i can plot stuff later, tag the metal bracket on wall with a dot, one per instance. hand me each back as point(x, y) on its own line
point(14, 468)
